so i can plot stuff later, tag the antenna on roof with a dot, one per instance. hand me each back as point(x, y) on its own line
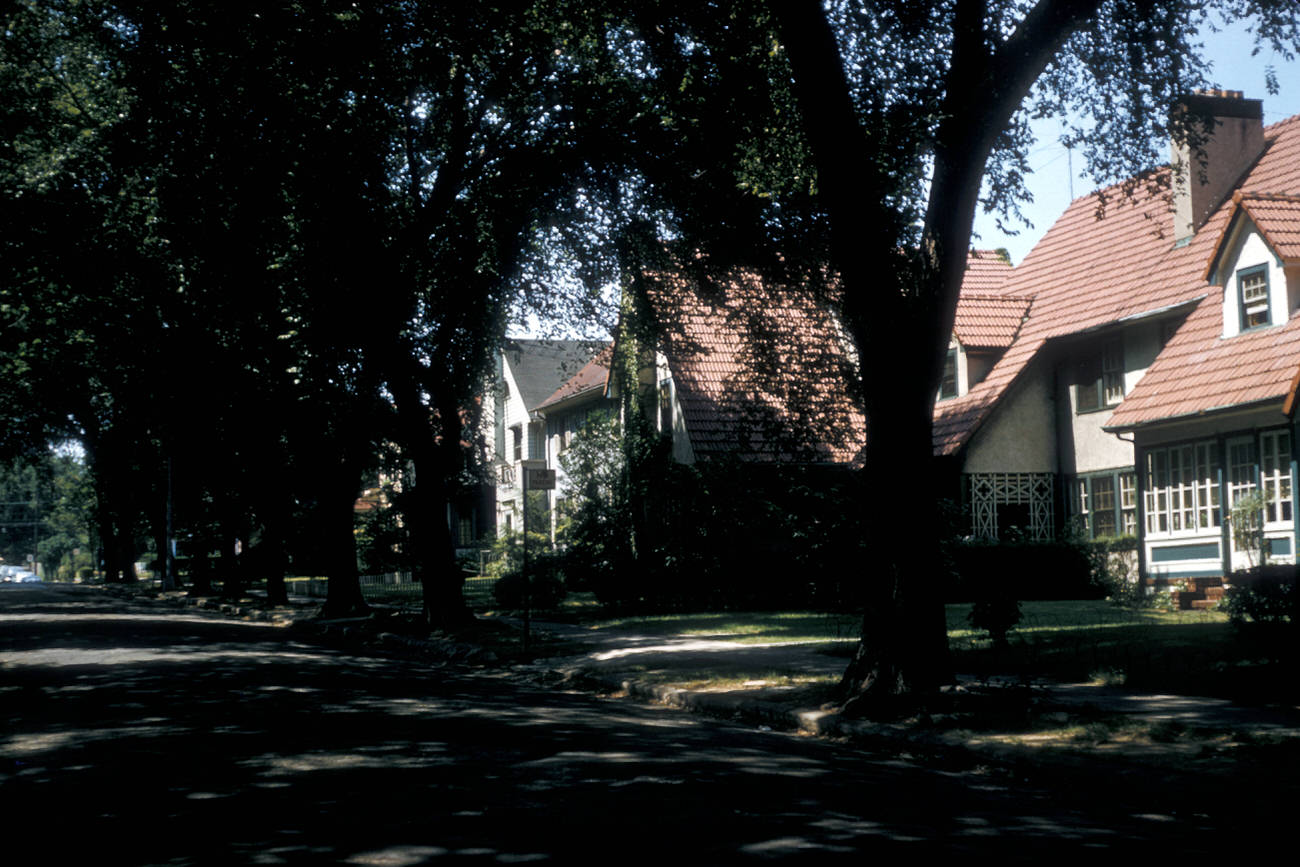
point(1069, 167)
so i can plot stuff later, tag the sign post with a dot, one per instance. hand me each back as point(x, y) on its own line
point(536, 477)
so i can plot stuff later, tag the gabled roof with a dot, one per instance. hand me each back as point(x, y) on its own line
point(986, 271)
point(986, 320)
point(541, 366)
point(591, 378)
point(1278, 219)
point(1276, 216)
point(761, 372)
point(1199, 371)
point(1089, 273)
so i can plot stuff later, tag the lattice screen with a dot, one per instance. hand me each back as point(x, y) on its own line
point(990, 490)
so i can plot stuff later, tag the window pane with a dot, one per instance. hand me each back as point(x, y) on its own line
point(1128, 503)
point(1112, 372)
point(1103, 506)
point(948, 385)
point(1088, 388)
point(1253, 289)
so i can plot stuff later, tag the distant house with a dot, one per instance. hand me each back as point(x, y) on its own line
point(1149, 383)
point(578, 401)
point(743, 369)
point(530, 374)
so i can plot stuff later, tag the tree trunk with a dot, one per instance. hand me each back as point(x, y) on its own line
point(273, 558)
point(232, 567)
point(903, 656)
point(336, 506)
point(425, 504)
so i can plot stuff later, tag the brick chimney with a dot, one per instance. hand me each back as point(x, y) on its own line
point(1205, 176)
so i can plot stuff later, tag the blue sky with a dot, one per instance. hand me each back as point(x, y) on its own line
point(1233, 69)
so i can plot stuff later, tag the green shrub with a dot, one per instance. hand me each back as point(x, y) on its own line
point(1113, 561)
point(1021, 570)
point(546, 590)
point(996, 615)
point(1264, 594)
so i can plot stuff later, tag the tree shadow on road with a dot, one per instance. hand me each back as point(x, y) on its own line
point(152, 739)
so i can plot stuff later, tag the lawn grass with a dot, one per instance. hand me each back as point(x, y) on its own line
point(744, 627)
point(1193, 652)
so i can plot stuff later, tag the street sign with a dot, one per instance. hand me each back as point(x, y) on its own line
point(539, 479)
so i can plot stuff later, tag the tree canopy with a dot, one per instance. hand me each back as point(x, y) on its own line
point(242, 248)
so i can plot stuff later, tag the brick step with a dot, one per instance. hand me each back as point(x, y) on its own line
point(1205, 604)
point(1215, 592)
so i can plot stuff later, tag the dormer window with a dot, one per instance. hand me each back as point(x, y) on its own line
point(1252, 290)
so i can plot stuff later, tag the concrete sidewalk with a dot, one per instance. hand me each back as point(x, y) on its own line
point(655, 667)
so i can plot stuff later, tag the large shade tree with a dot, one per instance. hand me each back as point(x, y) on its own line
point(250, 246)
point(855, 140)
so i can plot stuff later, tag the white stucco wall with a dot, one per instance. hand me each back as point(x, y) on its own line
point(1020, 436)
point(506, 469)
point(1094, 448)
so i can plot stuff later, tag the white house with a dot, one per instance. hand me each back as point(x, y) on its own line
point(1151, 383)
point(528, 374)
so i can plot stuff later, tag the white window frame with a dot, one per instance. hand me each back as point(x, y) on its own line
point(1254, 280)
point(1122, 494)
point(1181, 494)
point(1275, 479)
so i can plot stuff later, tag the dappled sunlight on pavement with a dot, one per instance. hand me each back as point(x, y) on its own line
point(201, 741)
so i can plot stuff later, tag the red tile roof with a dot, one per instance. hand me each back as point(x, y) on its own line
point(1088, 272)
point(761, 372)
point(1278, 218)
point(987, 320)
point(1200, 371)
point(592, 376)
point(986, 271)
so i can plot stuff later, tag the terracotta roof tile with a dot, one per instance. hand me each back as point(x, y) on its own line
point(989, 320)
point(761, 372)
point(1200, 371)
point(593, 375)
point(1088, 272)
point(986, 271)
point(1278, 218)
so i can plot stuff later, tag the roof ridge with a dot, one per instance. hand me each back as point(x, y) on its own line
point(1250, 195)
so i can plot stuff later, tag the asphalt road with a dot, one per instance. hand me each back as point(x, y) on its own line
point(136, 735)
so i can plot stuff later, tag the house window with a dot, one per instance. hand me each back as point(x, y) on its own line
point(569, 430)
point(1252, 291)
point(1128, 503)
point(1241, 469)
point(1108, 503)
point(465, 531)
point(1275, 476)
point(1182, 489)
point(948, 385)
point(536, 441)
point(1100, 382)
point(517, 442)
point(666, 408)
point(1112, 372)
